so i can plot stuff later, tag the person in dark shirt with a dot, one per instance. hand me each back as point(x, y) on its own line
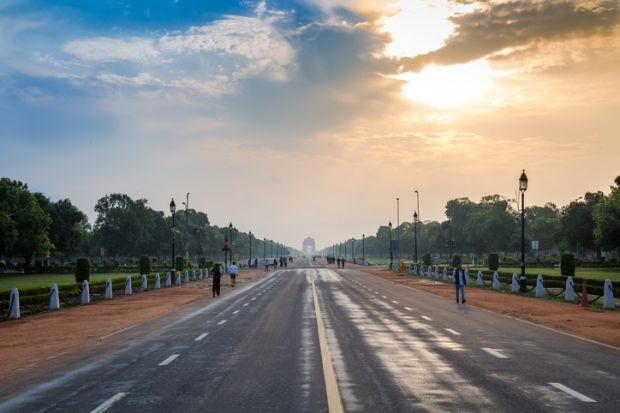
point(216, 272)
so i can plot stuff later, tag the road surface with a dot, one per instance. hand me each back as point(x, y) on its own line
point(314, 339)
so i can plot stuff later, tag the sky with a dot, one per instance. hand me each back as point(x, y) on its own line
point(310, 117)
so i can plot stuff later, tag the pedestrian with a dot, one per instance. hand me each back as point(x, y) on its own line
point(233, 271)
point(338, 260)
point(255, 262)
point(342, 261)
point(216, 272)
point(459, 282)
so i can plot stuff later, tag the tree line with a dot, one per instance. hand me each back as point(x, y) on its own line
point(36, 230)
point(587, 227)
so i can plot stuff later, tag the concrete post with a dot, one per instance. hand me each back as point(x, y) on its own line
point(540, 288)
point(14, 304)
point(445, 273)
point(186, 277)
point(157, 281)
point(168, 279)
point(515, 283)
point(128, 290)
point(54, 299)
point(108, 289)
point(467, 279)
point(496, 281)
point(85, 292)
point(569, 294)
point(479, 278)
point(177, 278)
point(145, 283)
point(608, 298)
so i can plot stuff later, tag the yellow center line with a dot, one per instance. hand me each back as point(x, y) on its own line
point(334, 402)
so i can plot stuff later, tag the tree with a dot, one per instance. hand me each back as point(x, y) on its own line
point(577, 223)
point(68, 224)
point(607, 219)
point(543, 225)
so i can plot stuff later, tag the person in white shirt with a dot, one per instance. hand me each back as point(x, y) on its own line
point(233, 271)
point(459, 281)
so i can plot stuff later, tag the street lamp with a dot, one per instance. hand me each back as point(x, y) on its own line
point(250, 262)
point(353, 250)
point(186, 226)
point(264, 247)
point(415, 237)
point(364, 249)
point(173, 208)
point(271, 246)
point(398, 225)
point(391, 253)
point(523, 188)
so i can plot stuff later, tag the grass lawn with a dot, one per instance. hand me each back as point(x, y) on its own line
point(25, 281)
point(589, 273)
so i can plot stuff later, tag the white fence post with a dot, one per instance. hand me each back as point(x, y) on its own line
point(145, 283)
point(14, 304)
point(569, 294)
point(54, 299)
point(108, 289)
point(496, 281)
point(467, 280)
point(436, 272)
point(608, 298)
point(479, 278)
point(177, 278)
point(128, 289)
point(445, 273)
point(168, 279)
point(193, 275)
point(515, 283)
point(157, 281)
point(540, 288)
point(186, 277)
point(85, 292)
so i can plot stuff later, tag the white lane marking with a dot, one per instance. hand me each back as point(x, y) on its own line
point(408, 309)
point(253, 298)
point(246, 304)
point(169, 360)
point(108, 403)
point(395, 302)
point(573, 393)
point(456, 333)
point(494, 353)
point(119, 331)
point(235, 312)
point(200, 337)
point(383, 296)
point(222, 322)
point(426, 318)
point(259, 294)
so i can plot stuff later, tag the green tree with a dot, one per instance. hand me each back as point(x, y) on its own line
point(68, 224)
point(607, 219)
point(577, 223)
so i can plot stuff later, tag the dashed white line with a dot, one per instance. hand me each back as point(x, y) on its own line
point(495, 353)
point(376, 292)
point(408, 309)
point(235, 312)
point(573, 393)
point(426, 318)
point(246, 304)
point(169, 360)
point(253, 298)
point(222, 322)
point(200, 337)
point(383, 296)
point(108, 403)
point(456, 333)
point(395, 302)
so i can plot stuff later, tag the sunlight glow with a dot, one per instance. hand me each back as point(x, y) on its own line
point(448, 86)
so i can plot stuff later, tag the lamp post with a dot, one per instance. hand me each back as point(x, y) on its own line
point(398, 225)
point(391, 253)
point(230, 243)
point(264, 248)
point(271, 246)
point(173, 208)
point(523, 188)
point(353, 250)
point(250, 261)
point(415, 237)
point(364, 249)
point(186, 203)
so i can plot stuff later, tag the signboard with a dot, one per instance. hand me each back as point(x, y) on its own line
point(535, 245)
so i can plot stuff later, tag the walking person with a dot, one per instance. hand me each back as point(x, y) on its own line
point(216, 272)
point(342, 261)
point(233, 271)
point(459, 282)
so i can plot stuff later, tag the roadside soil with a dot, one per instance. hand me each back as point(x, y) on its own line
point(41, 341)
point(587, 322)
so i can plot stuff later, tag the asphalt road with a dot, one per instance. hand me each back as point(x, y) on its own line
point(379, 348)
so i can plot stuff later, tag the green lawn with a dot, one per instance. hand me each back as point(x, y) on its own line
point(589, 273)
point(25, 281)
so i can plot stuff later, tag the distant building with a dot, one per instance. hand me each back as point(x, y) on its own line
point(309, 246)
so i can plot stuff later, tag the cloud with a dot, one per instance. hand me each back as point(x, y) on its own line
point(106, 49)
point(496, 27)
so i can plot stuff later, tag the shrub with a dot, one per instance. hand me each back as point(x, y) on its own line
point(567, 265)
point(145, 265)
point(202, 262)
point(456, 261)
point(180, 263)
point(493, 262)
point(426, 259)
point(82, 270)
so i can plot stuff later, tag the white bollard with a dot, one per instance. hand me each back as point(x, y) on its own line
point(436, 272)
point(177, 278)
point(515, 283)
point(496, 281)
point(14, 304)
point(193, 275)
point(415, 269)
point(608, 298)
point(145, 283)
point(128, 289)
point(157, 281)
point(467, 279)
point(186, 277)
point(479, 278)
point(540, 288)
point(428, 271)
point(85, 292)
point(168, 279)
point(445, 273)
point(54, 299)
point(569, 294)
point(108, 289)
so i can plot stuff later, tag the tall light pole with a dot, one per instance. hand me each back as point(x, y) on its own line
point(250, 262)
point(523, 188)
point(415, 237)
point(271, 242)
point(173, 208)
point(353, 250)
point(230, 242)
point(398, 225)
point(391, 252)
point(417, 210)
point(264, 248)
point(186, 203)
point(364, 248)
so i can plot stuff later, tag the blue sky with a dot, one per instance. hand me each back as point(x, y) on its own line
point(308, 117)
